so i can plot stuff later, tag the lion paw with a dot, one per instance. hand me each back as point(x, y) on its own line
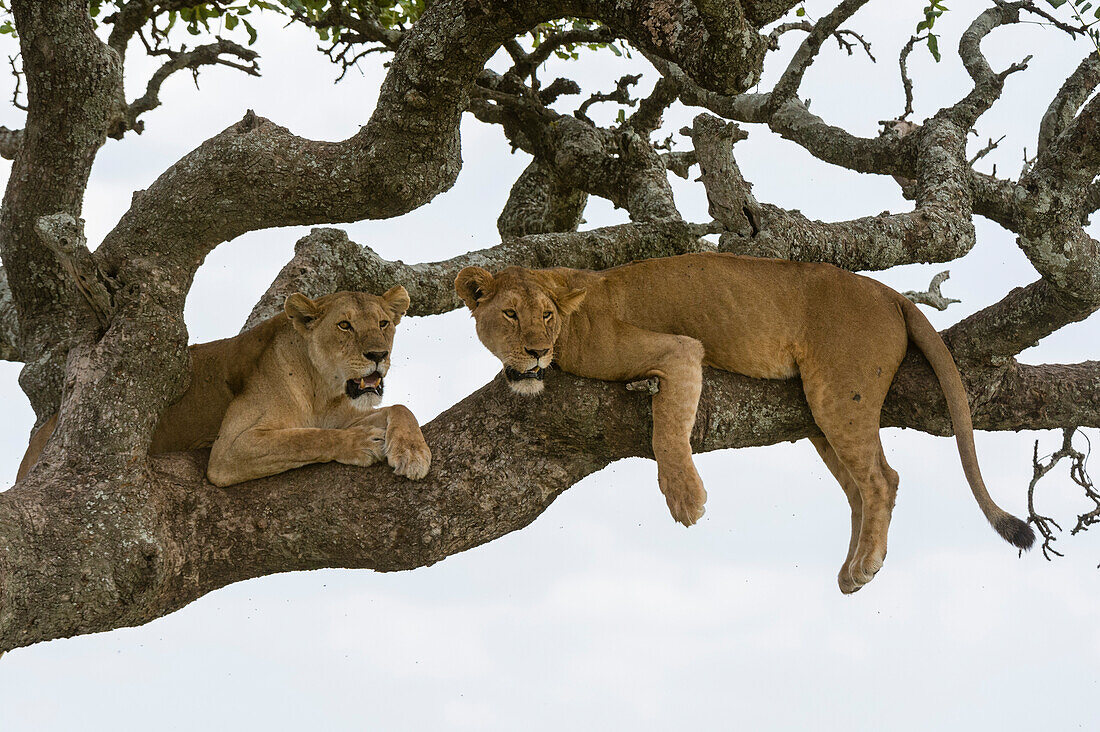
point(686, 506)
point(854, 575)
point(409, 457)
point(365, 447)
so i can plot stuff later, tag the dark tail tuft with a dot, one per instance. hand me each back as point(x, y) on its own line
point(1015, 532)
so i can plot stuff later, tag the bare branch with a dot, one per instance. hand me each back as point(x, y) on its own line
point(326, 261)
point(990, 147)
point(932, 296)
point(794, 121)
point(787, 86)
point(1078, 474)
point(540, 203)
point(208, 55)
point(906, 82)
point(1074, 92)
point(620, 95)
point(987, 84)
point(807, 26)
point(1020, 320)
point(648, 117)
point(18, 84)
point(729, 195)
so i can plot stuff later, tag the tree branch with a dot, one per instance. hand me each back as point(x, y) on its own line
point(326, 261)
point(932, 296)
point(487, 480)
point(1063, 108)
point(9, 323)
point(539, 203)
point(787, 86)
point(210, 54)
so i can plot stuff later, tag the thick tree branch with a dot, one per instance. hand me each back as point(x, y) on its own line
point(619, 165)
point(1020, 320)
point(1074, 92)
point(326, 261)
point(487, 480)
point(71, 105)
point(939, 229)
point(539, 203)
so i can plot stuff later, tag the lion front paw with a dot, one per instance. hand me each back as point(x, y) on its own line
point(409, 456)
point(364, 446)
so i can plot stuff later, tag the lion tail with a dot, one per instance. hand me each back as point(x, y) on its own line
point(924, 335)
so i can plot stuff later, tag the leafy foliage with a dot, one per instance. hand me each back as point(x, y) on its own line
point(934, 9)
point(1080, 10)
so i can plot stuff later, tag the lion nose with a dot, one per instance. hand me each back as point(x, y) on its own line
point(377, 356)
point(537, 352)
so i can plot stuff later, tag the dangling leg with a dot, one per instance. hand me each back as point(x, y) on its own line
point(851, 491)
point(677, 361)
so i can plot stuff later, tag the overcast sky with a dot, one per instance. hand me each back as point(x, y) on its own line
point(604, 613)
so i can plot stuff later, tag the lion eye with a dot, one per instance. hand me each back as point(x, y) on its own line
point(344, 325)
point(547, 315)
point(510, 314)
point(383, 323)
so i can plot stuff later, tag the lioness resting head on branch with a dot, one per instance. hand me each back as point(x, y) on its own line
point(844, 334)
point(299, 388)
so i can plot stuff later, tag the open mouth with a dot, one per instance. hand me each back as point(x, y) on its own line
point(369, 384)
point(516, 375)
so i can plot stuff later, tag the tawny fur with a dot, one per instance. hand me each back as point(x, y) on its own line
point(844, 334)
point(273, 398)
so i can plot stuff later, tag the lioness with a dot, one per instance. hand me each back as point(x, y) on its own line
point(844, 334)
point(299, 388)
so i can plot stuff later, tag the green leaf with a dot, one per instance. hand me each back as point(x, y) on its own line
point(231, 21)
point(934, 47)
point(801, 12)
point(251, 31)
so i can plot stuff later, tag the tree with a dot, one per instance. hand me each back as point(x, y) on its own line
point(100, 535)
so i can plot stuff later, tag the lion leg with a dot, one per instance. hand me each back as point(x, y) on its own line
point(846, 402)
point(678, 364)
point(851, 491)
point(259, 452)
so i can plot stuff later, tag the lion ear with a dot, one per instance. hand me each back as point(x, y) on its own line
point(397, 300)
point(473, 285)
point(570, 300)
point(302, 311)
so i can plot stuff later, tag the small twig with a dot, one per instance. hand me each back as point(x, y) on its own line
point(18, 83)
point(807, 26)
point(990, 147)
point(906, 82)
point(1077, 473)
point(932, 296)
point(620, 95)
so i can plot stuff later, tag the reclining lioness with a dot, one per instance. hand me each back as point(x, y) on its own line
point(844, 334)
point(299, 388)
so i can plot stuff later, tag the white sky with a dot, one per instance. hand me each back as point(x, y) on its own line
point(604, 613)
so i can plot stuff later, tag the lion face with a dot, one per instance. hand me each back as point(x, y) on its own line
point(349, 338)
point(519, 317)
